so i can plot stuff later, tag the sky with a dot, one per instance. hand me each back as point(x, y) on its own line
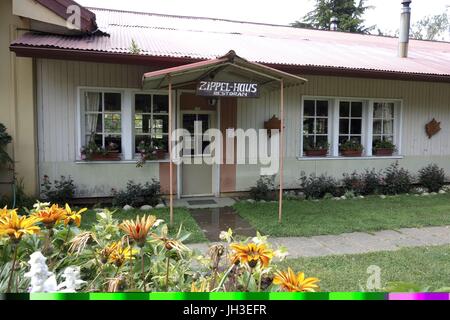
point(385, 14)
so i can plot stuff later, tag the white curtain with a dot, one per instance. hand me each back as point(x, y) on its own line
point(92, 105)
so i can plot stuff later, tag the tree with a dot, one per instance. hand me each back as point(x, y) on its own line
point(347, 12)
point(431, 27)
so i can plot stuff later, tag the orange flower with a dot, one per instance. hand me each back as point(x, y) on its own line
point(51, 216)
point(138, 230)
point(251, 253)
point(292, 282)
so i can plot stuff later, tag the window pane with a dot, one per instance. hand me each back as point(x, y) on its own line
point(113, 101)
point(343, 126)
point(143, 103)
point(342, 139)
point(140, 140)
point(93, 102)
point(113, 143)
point(204, 118)
point(389, 138)
point(160, 104)
point(377, 125)
point(356, 126)
point(142, 123)
point(388, 111)
point(308, 126)
point(97, 139)
point(378, 110)
point(376, 139)
point(357, 109)
point(93, 123)
point(308, 110)
point(308, 141)
point(344, 109)
point(321, 126)
point(188, 122)
point(388, 127)
point(321, 139)
point(160, 124)
point(161, 142)
point(356, 138)
point(113, 123)
point(322, 108)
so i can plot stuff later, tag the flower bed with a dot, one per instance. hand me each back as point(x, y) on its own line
point(47, 251)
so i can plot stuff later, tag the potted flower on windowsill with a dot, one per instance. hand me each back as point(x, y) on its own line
point(149, 152)
point(319, 149)
point(351, 148)
point(93, 152)
point(384, 148)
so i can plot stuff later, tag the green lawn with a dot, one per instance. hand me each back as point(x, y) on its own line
point(426, 266)
point(309, 218)
point(182, 216)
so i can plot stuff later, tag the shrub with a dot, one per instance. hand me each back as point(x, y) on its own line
point(136, 194)
point(384, 144)
point(365, 183)
point(351, 145)
point(264, 189)
point(60, 191)
point(432, 177)
point(5, 139)
point(396, 180)
point(316, 187)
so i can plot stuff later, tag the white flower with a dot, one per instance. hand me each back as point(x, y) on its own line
point(226, 235)
point(41, 205)
point(41, 279)
point(158, 222)
point(72, 281)
point(259, 239)
point(281, 253)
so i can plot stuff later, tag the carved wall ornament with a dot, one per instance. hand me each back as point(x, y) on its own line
point(432, 128)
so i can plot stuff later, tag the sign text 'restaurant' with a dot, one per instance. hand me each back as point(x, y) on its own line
point(227, 89)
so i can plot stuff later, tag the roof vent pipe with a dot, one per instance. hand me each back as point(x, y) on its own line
point(334, 23)
point(405, 25)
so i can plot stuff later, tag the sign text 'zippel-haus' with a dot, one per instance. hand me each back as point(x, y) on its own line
point(228, 89)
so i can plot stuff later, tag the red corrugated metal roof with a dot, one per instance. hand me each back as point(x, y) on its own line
point(207, 38)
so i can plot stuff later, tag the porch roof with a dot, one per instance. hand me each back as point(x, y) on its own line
point(231, 64)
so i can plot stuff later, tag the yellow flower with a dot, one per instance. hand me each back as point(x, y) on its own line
point(138, 230)
point(292, 282)
point(4, 212)
point(120, 254)
point(51, 216)
point(204, 286)
point(16, 226)
point(251, 253)
point(73, 216)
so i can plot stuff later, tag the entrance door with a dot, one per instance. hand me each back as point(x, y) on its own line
point(197, 176)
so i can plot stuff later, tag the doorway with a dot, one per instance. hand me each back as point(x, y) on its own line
point(198, 178)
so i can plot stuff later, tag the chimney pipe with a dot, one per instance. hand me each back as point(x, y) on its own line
point(334, 23)
point(405, 25)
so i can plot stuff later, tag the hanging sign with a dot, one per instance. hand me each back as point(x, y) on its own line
point(228, 89)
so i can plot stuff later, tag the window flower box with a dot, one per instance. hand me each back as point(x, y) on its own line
point(384, 148)
point(351, 148)
point(351, 153)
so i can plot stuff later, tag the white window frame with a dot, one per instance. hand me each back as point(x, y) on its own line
point(127, 112)
point(367, 126)
point(133, 102)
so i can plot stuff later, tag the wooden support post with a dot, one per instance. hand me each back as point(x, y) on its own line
point(170, 154)
point(280, 203)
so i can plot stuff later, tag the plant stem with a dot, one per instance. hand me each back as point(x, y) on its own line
point(249, 278)
point(143, 269)
point(224, 278)
point(15, 246)
point(167, 273)
point(259, 281)
point(67, 236)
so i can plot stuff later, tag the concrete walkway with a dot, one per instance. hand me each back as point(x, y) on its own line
point(358, 242)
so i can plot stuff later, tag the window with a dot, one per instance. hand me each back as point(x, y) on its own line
point(350, 121)
point(315, 123)
point(336, 120)
point(103, 120)
point(383, 121)
point(151, 120)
